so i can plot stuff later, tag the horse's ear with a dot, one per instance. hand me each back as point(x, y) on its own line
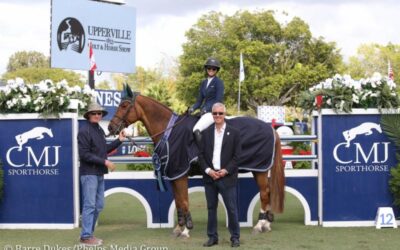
point(127, 92)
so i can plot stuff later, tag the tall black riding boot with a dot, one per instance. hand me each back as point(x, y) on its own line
point(197, 137)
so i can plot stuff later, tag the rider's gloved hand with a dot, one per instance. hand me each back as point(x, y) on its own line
point(190, 110)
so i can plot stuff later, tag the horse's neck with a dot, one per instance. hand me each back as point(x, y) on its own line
point(155, 118)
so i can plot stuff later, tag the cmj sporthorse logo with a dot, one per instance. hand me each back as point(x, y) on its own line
point(29, 159)
point(353, 156)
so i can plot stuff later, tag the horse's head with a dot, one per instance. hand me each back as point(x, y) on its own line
point(126, 113)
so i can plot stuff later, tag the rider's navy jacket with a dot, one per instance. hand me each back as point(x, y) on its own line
point(93, 149)
point(209, 95)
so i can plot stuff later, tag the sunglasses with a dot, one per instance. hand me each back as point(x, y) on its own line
point(217, 113)
point(213, 69)
point(96, 113)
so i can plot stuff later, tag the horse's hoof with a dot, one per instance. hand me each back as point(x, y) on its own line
point(256, 231)
point(176, 232)
point(266, 229)
point(184, 236)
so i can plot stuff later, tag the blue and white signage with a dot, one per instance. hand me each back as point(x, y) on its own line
point(37, 158)
point(357, 157)
point(109, 100)
point(110, 28)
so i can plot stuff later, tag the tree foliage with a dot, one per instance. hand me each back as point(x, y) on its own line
point(279, 60)
point(33, 67)
point(153, 83)
point(372, 58)
point(27, 59)
point(35, 75)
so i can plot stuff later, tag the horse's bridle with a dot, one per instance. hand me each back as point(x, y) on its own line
point(122, 119)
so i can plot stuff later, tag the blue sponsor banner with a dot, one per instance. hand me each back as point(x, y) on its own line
point(357, 157)
point(109, 100)
point(110, 28)
point(37, 158)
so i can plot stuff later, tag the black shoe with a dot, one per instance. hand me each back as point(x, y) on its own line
point(235, 243)
point(210, 242)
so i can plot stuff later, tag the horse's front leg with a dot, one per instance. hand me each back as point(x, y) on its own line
point(265, 216)
point(181, 196)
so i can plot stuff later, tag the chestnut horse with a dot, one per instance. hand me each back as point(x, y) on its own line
point(156, 116)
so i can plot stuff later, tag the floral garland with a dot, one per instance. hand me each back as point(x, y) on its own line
point(342, 94)
point(45, 97)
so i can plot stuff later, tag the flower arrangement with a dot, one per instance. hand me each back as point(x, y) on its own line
point(45, 97)
point(342, 94)
point(141, 154)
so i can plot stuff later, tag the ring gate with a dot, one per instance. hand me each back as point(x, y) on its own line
point(41, 174)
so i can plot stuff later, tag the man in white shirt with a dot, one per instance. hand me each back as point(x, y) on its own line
point(220, 150)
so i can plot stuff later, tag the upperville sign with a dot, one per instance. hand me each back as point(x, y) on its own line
point(111, 29)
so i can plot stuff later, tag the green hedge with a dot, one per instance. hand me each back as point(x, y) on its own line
point(140, 166)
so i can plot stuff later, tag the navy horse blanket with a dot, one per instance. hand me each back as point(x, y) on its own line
point(180, 150)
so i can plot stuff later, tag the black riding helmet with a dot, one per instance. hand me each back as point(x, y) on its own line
point(212, 62)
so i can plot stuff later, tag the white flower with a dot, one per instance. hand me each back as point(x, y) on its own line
point(355, 98)
point(341, 105)
point(391, 84)
point(62, 84)
point(42, 86)
point(376, 77)
point(10, 104)
point(347, 81)
point(7, 90)
point(327, 84)
point(19, 81)
point(25, 101)
point(43, 97)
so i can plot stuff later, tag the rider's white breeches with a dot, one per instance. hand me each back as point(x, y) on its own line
point(204, 122)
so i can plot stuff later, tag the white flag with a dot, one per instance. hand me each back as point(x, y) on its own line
point(241, 74)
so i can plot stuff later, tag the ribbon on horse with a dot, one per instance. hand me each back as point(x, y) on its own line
point(161, 153)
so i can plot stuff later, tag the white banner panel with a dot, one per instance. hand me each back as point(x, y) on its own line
point(110, 28)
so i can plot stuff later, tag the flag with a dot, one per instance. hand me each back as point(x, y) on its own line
point(318, 101)
point(93, 65)
point(241, 74)
point(390, 71)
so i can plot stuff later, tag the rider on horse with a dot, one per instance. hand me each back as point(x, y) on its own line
point(211, 91)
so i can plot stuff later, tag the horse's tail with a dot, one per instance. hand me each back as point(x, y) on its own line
point(277, 185)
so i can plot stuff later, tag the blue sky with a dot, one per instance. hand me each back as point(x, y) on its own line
point(161, 24)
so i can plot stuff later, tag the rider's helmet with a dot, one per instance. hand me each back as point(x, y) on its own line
point(212, 62)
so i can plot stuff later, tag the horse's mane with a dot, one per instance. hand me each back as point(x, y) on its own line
point(161, 104)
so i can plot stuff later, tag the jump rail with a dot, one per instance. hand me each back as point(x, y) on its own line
point(146, 140)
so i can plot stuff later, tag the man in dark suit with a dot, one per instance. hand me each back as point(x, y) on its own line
point(220, 150)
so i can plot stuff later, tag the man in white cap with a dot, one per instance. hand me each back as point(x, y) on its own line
point(93, 151)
